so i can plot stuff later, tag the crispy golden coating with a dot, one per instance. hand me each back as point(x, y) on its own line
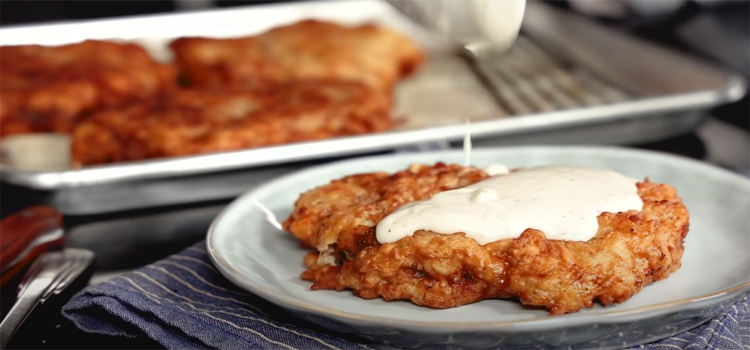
point(193, 121)
point(49, 88)
point(305, 50)
point(630, 250)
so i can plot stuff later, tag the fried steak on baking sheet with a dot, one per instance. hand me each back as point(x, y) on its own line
point(195, 121)
point(306, 81)
point(630, 250)
point(308, 49)
point(50, 88)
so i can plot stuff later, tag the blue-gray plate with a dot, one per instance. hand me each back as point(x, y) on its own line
point(256, 256)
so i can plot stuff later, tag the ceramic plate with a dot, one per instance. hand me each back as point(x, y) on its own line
point(253, 254)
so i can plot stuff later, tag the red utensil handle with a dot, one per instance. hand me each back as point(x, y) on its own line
point(22, 234)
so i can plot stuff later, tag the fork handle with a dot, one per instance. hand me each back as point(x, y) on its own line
point(26, 302)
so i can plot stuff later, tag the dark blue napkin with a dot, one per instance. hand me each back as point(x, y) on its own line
point(184, 302)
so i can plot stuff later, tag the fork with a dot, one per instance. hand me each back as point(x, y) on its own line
point(49, 275)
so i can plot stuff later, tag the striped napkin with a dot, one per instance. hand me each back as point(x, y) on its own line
point(184, 302)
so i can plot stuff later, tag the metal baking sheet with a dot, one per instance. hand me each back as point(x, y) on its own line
point(566, 74)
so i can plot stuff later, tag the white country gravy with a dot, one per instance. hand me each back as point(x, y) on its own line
point(561, 201)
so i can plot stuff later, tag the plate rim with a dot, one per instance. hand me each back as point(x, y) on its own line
point(530, 324)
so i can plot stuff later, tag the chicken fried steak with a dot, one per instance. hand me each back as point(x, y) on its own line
point(49, 88)
point(630, 249)
point(193, 121)
point(309, 49)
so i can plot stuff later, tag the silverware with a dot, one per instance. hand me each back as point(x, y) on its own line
point(49, 275)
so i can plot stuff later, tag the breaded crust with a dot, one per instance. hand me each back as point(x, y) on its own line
point(50, 88)
point(194, 121)
point(630, 250)
point(308, 49)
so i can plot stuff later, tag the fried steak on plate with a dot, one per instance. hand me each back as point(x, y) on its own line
point(338, 220)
